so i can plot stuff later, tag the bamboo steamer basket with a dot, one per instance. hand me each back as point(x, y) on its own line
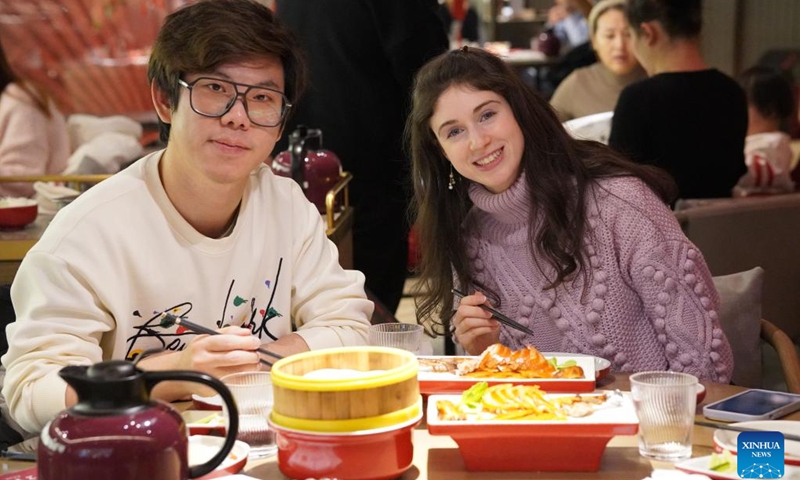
point(388, 397)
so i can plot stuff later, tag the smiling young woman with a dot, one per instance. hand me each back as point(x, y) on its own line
point(564, 236)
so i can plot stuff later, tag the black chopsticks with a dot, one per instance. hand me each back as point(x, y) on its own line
point(168, 320)
point(497, 315)
point(736, 428)
point(19, 456)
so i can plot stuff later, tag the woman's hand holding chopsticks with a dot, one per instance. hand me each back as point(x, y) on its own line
point(475, 329)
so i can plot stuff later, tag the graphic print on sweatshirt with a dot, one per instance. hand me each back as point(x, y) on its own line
point(149, 334)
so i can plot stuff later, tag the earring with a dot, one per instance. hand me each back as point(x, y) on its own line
point(452, 181)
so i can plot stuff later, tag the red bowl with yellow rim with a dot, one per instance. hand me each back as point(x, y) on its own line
point(375, 454)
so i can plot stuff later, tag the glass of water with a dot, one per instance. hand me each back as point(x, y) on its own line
point(407, 336)
point(665, 404)
point(252, 392)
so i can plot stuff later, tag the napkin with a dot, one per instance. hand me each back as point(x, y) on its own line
point(663, 474)
point(591, 127)
point(104, 154)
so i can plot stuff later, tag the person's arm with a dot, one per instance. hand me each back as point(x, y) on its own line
point(677, 292)
point(23, 149)
point(629, 126)
point(61, 321)
point(329, 305)
point(583, 6)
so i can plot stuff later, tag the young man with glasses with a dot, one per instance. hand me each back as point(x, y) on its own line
point(200, 230)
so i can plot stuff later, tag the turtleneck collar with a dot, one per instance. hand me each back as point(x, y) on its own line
point(511, 206)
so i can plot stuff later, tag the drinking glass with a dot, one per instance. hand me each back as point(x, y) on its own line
point(407, 336)
point(253, 394)
point(665, 404)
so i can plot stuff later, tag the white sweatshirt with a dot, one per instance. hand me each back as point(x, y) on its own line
point(93, 287)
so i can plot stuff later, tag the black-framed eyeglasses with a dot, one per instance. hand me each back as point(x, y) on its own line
point(213, 97)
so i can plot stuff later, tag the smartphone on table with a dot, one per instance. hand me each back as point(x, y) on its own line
point(753, 404)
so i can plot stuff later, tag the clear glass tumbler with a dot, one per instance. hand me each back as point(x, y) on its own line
point(407, 336)
point(665, 403)
point(252, 392)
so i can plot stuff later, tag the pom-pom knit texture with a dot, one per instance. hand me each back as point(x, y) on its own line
point(646, 302)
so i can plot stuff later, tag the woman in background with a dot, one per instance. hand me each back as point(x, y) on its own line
point(595, 89)
point(563, 235)
point(33, 133)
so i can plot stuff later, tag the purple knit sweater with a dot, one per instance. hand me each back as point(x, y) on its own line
point(650, 303)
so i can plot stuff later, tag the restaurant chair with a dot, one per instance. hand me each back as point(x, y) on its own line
point(751, 336)
point(738, 234)
point(787, 354)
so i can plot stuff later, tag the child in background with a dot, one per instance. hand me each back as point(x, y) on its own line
point(767, 153)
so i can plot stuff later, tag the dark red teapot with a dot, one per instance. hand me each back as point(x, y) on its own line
point(548, 43)
point(315, 169)
point(117, 432)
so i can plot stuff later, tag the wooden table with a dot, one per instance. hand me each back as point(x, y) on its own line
point(14, 244)
point(523, 59)
point(437, 457)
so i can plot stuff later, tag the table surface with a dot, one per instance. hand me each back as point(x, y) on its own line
point(437, 457)
point(528, 58)
point(16, 243)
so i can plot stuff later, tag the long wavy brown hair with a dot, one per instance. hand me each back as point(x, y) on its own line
point(558, 170)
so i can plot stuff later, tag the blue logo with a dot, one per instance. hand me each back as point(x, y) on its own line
point(760, 455)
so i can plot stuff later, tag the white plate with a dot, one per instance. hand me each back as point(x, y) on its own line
point(700, 465)
point(601, 367)
point(207, 403)
point(701, 392)
point(619, 413)
point(727, 439)
point(204, 422)
point(446, 382)
point(203, 447)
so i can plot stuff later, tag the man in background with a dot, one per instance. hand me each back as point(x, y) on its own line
point(362, 58)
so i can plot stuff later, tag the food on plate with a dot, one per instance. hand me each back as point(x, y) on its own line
point(213, 419)
point(499, 361)
point(14, 202)
point(723, 463)
point(440, 364)
point(520, 402)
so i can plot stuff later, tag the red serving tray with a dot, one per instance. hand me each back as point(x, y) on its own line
point(535, 445)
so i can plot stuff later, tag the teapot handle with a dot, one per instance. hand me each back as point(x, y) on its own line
point(154, 377)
